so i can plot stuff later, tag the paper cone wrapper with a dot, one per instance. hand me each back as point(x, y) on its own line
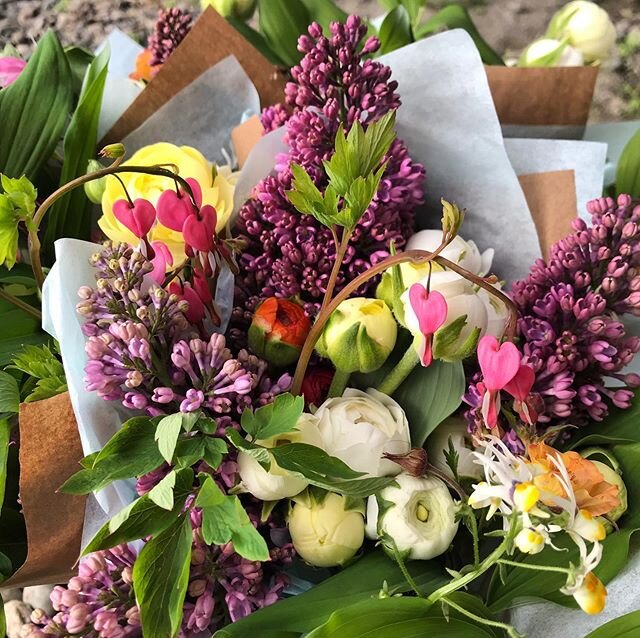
point(50, 451)
point(542, 102)
point(210, 40)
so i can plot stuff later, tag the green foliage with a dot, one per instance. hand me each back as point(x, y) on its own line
point(395, 30)
point(628, 171)
point(282, 22)
point(5, 433)
point(46, 372)
point(34, 110)
point(79, 59)
point(625, 626)
point(361, 581)
point(17, 204)
point(160, 579)
point(70, 216)
point(324, 12)
point(9, 395)
point(354, 173)
point(278, 417)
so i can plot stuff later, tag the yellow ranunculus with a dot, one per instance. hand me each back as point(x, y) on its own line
point(191, 164)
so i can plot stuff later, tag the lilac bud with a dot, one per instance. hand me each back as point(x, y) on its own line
point(163, 395)
point(78, 618)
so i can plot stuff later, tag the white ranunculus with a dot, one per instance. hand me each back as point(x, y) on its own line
point(325, 533)
point(418, 515)
point(438, 443)
point(460, 251)
point(547, 52)
point(359, 427)
point(277, 483)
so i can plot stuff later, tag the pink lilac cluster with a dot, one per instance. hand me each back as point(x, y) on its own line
point(97, 603)
point(171, 28)
point(288, 254)
point(143, 352)
point(570, 315)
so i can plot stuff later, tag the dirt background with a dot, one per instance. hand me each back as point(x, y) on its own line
point(508, 25)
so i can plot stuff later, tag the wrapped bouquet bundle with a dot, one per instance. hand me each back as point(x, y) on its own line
point(376, 382)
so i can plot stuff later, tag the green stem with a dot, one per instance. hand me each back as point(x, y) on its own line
point(473, 528)
point(536, 568)
point(335, 271)
point(23, 305)
point(338, 383)
point(405, 572)
point(401, 371)
point(509, 629)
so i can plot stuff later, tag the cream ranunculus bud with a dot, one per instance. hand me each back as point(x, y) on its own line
point(587, 27)
point(454, 428)
point(359, 335)
point(418, 516)
point(324, 532)
point(240, 9)
point(277, 483)
point(548, 52)
point(360, 427)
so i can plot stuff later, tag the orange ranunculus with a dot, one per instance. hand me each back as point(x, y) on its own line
point(592, 492)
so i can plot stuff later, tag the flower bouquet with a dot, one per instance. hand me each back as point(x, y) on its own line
point(307, 405)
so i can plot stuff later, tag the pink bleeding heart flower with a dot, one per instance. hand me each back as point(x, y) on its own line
point(519, 388)
point(196, 311)
point(430, 308)
point(175, 208)
point(10, 69)
point(199, 229)
point(137, 217)
point(499, 364)
point(162, 258)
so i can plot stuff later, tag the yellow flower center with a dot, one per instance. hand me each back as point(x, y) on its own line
point(422, 513)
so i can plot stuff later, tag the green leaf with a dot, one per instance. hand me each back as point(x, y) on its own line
point(626, 626)
point(214, 449)
point(628, 171)
point(9, 394)
point(132, 451)
point(160, 579)
point(278, 417)
point(395, 30)
point(282, 22)
point(324, 12)
point(255, 39)
point(79, 59)
point(34, 110)
point(359, 582)
point(70, 216)
point(142, 518)
point(5, 434)
point(43, 365)
point(8, 232)
point(308, 200)
point(167, 434)
point(457, 17)
point(391, 617)
point(22, 194)
point(162, 493)
point(246, 539)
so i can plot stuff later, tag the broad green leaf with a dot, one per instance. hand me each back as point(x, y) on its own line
point(255, 38)
point(627, 626)
point(278, 417)
point(160, 579)
point(5, 434)
point(246, 539)
point(456, 17)
point(71, 214)
point(282, 22)
point(324, 12)
point(9, 394)
point(34, 110)
point(167, 434)
point(628, 171)
point(132, 451)
point(214, 449)
point(162, 493)
point(395, 30)
point(360, 581)
point(142, 518)
point(394, 617)
point(79, 60)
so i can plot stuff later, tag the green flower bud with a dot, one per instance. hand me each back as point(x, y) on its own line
point(112, 151)
point(359, 335)
point(95, 188)
point(239, 9)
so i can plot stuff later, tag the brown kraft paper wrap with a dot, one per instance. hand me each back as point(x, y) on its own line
point(210, 40)
point(552, 201)
point(558, 97)
point(49, 453)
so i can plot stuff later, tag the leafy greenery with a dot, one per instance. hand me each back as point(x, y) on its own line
point(395, 30)
point(9, 395)
point(282, 22)
point(17, 204)
point(628, 171)
point(625, 626)
point(47, 378)
point(278, 417)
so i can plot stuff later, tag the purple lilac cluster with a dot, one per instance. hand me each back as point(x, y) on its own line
point(570, 315)
point(171, 28)
point(142, 351)
point(288, 254)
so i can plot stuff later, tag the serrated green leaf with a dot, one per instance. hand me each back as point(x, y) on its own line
point(160, 579)
point(246, 539)
point(167, 433)
point(9, 394)
point(278, 417)
point(8, 233)
point(214, 449)
point(34, 110)
point(162, 493)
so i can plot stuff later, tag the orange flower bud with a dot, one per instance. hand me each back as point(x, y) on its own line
point(278, 331)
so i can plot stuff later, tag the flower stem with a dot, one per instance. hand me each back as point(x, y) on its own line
point(413, 256)
point(509, 629)
point(537, 568)
point(405, 572)
point(333, 277)
point(473, 528)
point(400, 372)
point(23, 305)
point(338, 383)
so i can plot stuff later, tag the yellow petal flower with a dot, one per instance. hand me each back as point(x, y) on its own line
point(525, 496)
point(591, 595)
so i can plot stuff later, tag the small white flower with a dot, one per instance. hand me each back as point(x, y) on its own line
point(359, 427)
point(418, 516)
